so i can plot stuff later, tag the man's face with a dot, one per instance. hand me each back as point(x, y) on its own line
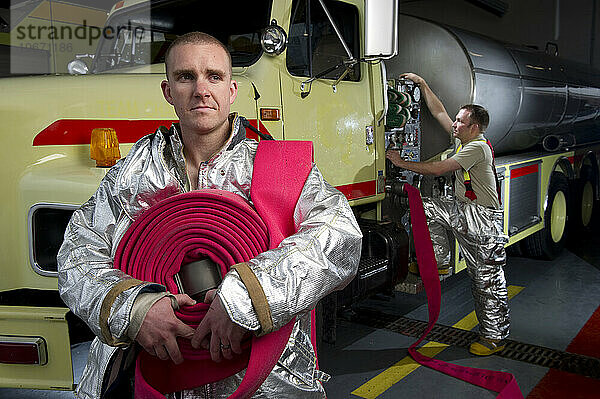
point(463, 128)
point(199, 87)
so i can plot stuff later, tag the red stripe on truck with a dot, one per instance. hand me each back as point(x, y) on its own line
point(358, 190)
point(78, 131)
point(525, 170)
point(261, 128)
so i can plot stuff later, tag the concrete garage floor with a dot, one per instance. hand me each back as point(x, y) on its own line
point(557, 299)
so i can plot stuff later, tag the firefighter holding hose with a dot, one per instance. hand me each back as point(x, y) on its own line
point(207, 149)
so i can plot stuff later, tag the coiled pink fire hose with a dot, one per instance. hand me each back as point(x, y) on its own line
point(503, 383)
point(224, 227)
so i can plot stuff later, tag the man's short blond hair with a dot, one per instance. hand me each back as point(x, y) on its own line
point(196, 38)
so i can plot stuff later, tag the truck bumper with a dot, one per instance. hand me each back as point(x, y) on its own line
point(35, 330)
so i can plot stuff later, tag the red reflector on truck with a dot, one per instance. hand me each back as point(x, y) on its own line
point(23, 350)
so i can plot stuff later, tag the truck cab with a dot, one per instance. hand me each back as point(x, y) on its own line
point(306, 70)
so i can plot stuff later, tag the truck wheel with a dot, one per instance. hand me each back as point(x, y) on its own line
point(549, 242)
point(584, 200)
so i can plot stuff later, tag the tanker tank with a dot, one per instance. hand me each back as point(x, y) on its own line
point(529, 94)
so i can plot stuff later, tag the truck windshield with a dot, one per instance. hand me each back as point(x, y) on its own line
point(140, 34)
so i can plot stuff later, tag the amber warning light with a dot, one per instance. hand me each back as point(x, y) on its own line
point(104, 147)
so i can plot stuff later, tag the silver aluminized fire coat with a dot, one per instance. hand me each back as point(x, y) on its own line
point(320, 258)
point(481, 239)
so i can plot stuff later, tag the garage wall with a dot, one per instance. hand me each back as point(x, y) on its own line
point(528, 22)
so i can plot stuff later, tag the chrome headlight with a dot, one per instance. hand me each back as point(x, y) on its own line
point(273, 39)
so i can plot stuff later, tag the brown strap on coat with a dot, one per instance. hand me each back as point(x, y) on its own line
point(257, 296)
point(109, 300)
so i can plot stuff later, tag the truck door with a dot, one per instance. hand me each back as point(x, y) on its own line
point(338, 119)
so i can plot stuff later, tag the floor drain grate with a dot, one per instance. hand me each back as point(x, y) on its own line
point(538, 355)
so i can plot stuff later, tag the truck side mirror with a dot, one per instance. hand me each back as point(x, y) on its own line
point(381, 29)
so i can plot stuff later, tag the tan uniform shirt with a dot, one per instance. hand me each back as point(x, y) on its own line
point(476, 157)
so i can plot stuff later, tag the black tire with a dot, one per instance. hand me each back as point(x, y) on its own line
point(584, 203)
point(550, 241)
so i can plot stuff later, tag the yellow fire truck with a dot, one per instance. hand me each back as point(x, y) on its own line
point(306, 70)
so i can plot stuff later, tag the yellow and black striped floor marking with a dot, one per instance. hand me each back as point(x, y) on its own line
point(460, 335)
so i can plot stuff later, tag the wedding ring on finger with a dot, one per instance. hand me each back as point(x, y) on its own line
point(225, 347)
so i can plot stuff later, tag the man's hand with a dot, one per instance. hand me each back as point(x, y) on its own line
point(434, 104)
point(217, 332)
point(394, 156)
point(161, 327)
point(414, 77)
point(435, 168)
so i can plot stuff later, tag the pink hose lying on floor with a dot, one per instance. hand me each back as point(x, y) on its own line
point(503, 383)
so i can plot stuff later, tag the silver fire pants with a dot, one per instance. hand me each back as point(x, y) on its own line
point(480, 236)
